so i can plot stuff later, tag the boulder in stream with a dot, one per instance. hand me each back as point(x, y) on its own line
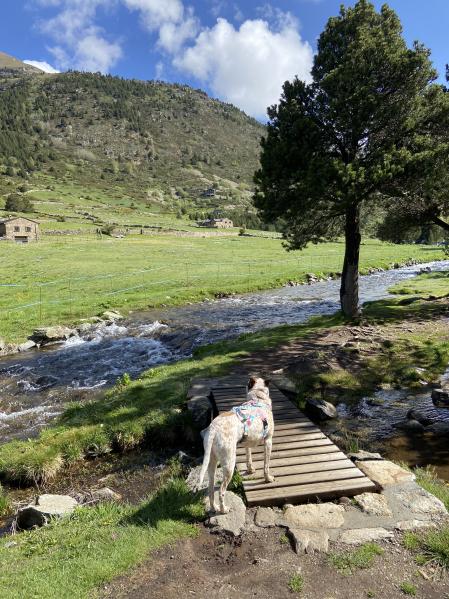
point(411, 426)
point(27, 345)
point(320, 410)
point(54, 334)
point(440, 429)
point(440, 398)
point(419, 416)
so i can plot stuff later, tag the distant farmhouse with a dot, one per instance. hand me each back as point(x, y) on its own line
point(19, 229)
point(217, 223)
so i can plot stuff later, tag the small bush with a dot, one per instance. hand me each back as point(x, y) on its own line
point(408, 588)
point(296, 583)
point(17, 203)
point(4, 502)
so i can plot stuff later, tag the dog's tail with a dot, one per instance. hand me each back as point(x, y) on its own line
point(208, 440)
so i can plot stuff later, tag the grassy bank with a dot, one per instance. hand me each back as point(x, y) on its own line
point(60, 280)
point(74, 556)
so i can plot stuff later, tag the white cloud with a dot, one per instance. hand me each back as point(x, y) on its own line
point(42, 65)
point(80, 44)
point(174, 23)
point(247, 66)
point(156, 13)
point(94, 53)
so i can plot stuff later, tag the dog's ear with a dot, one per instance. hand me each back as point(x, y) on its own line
point(252, 381)
point(267, 382)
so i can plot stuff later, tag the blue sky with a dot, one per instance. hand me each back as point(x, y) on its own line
point(239, 51)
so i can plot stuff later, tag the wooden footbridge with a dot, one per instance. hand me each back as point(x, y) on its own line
point(305, 462)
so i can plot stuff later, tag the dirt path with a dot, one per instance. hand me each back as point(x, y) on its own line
point(345, 347)
point(260, 565)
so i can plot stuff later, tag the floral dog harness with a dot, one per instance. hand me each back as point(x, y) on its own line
point(249, 412)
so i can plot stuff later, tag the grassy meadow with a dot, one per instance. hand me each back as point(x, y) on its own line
point(62, 279)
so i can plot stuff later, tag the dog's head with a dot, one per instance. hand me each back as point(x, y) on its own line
point(257, 382)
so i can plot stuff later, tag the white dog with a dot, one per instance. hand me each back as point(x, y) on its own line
point(249, 424)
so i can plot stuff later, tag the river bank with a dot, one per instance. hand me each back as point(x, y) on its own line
point(405, 337)
point(37, 386)
point(60, 282)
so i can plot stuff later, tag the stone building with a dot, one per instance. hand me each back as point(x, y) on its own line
point(19, 229)
point(217, 223)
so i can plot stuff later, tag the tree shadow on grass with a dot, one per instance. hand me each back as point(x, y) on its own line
point(174, 501)
point(414, 309)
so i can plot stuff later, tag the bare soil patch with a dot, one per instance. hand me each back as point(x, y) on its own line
point(260, 564)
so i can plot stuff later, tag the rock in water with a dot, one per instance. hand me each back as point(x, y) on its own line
point(440, 429)
point(411, 426)
point(45, 335)
point(318, 409)
point(100, 495)
point(440, 398)
point(419, 416)
point(44, 509)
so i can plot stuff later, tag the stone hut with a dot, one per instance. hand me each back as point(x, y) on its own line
point(19, 229)
point(217, 223)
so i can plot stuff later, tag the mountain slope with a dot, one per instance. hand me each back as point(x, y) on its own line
point(160, 143)
point(8, 62)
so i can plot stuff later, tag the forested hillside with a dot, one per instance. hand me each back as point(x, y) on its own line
point(163, 144)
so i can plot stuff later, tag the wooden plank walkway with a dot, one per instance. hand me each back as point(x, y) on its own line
point(305, 463)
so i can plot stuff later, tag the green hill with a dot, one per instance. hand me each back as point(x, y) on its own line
point(84, 141)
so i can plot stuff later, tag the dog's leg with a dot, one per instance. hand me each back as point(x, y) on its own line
point(211, 474)
point(227, 467)
point(268, 445)
point(249, 461)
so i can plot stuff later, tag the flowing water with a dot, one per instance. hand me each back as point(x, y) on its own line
point(35, 387)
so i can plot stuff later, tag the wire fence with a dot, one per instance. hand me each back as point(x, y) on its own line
point(66, 299)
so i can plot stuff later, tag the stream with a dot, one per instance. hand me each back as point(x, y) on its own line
point(36, 386)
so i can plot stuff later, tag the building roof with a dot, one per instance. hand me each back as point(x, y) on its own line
point(10, 218)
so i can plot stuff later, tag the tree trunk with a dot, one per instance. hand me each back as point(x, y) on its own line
point(441, 223)
point(349, 290)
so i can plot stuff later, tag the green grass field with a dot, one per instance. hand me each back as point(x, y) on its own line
point(60, 280)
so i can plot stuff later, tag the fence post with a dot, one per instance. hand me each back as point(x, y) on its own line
point(70, 298)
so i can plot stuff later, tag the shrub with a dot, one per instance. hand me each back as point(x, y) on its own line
point(4, 502)
point(296, 583)
point(408, 588)
point(18, 203)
